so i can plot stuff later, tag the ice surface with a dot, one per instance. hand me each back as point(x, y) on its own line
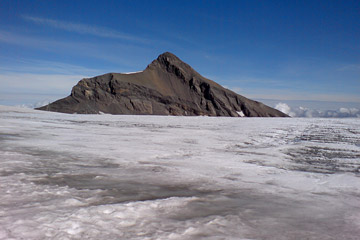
point(156, 177)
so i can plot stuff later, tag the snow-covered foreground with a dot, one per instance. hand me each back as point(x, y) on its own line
point(151, 177)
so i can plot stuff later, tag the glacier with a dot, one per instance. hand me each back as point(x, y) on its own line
point(162, 177)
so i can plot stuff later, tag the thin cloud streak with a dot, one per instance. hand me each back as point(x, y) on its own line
point(350, 67)
point(84, 29)
point(41, 43)
point(31, 66)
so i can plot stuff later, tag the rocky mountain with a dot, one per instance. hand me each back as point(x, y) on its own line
point(167, 86)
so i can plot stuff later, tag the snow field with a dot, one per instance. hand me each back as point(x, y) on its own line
point(157, 177)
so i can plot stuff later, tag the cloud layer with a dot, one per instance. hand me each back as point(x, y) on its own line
point(306, 112)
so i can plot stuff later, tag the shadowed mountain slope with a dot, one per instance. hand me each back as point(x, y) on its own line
point(168, 86)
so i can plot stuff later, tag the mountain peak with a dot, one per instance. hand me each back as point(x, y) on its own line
point(168, 56)
point(171, 63)
point(168, 86)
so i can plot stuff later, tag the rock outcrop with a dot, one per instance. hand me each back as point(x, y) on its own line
point(168, 86)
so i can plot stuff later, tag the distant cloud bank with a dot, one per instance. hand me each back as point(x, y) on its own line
point(35, 105)
point(306, 112)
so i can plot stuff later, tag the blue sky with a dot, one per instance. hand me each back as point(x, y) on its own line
point(279, 50)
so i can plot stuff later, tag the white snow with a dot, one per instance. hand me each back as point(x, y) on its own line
point(132, 72)
point(241, 114)
point(160, 177)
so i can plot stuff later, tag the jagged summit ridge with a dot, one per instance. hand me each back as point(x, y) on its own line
point(168, 86)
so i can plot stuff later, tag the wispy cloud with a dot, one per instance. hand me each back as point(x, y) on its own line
point(41, 43)
point(45, 67)
point(112, 52)
point(84, 29)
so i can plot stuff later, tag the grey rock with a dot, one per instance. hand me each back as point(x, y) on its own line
point(167, 86)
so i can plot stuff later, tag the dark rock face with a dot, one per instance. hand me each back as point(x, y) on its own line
point(167, 86)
